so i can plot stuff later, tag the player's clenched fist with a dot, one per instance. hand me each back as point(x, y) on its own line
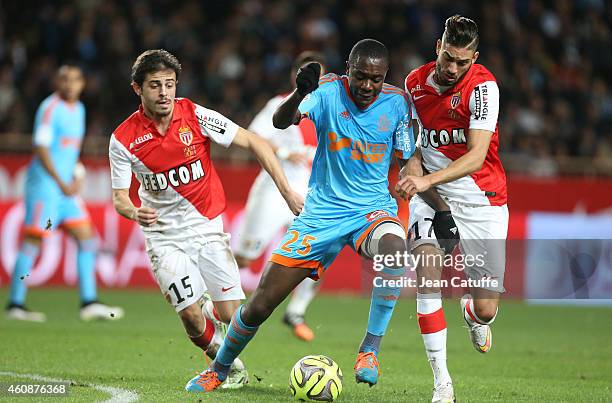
point(307, 79)
point(295, 201)
point(145, 216)
point(410, 185)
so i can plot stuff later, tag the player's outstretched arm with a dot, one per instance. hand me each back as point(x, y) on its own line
point(269, 162)
point(45, 158)
point(144, 216)
point(306, 81)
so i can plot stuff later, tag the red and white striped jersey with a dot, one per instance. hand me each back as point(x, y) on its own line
point(175, 171)
point(446, 117)
point(296, 138)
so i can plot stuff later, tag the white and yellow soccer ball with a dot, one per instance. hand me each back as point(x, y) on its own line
point(316, 377)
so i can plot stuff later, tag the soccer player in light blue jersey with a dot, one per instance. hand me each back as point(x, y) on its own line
point(53, 179)
point(361, 123)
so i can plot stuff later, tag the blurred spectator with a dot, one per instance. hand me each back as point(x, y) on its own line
point(552, 58)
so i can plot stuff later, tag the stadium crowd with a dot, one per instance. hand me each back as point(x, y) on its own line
point(552, 60)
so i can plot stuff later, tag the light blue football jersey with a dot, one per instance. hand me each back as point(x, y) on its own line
point(355, 147)
point(60, 126)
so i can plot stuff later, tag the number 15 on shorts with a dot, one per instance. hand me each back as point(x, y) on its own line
point(183, 289)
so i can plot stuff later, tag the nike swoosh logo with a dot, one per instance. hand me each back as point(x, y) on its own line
point(419, 97)
point(223, 289)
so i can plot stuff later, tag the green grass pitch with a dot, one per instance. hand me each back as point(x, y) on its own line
point(540, 353)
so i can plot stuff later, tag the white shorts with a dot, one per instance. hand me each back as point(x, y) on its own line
point(266, 214)
point(200, 261)
point(483, 231)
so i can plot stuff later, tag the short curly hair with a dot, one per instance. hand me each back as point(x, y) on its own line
point(152, 61)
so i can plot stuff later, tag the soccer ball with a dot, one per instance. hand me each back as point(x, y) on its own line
point(316, 377)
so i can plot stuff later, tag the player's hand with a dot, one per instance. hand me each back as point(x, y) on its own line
point(69, 189)
point(145, 216)
point(410, 185)
point(295, 201)
point(307, 79)
point(299, 158)
point(446, 230)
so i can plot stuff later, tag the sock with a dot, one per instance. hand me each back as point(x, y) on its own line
point(370, 343)
point(301, 298)
point(86, 262)
point(25, 260)
point(382, 304)
point(238, 336)
point(204, 339)
point(433, 329)
point(469, 313)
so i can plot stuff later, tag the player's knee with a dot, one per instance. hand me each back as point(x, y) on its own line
point(242, 261)
point(390, 244)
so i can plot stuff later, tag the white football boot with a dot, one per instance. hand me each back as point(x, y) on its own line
point(20, 312)
point(238, 375)
point(443, 393)
point(481, 335)
point(99, 311)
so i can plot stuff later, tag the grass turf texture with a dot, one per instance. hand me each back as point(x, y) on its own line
point(540, 353)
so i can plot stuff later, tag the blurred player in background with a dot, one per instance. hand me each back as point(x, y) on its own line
point(458, 103)
point(266, 211)
point(54, 179)
point(166, 144)
point(360, 121)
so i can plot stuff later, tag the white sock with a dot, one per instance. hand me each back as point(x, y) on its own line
point(429, 310)
point(303, 294)
point(469, 313)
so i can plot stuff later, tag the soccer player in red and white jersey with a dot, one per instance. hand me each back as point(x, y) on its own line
point(166, 145)
point(457, 102)
point(266, 211)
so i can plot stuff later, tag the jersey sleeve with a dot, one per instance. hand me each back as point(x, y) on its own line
point(215, 126)
point(120, 164)
point(404, 135)
point(484, 106)
point(43, 128)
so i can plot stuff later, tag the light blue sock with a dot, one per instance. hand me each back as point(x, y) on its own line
point(238, 336)
point(381, 309)
point(25, 260)
point(86, 264)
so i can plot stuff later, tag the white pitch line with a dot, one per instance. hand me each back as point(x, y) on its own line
point(117, 394)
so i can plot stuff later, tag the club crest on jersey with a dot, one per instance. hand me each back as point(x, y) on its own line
point(455, 99)
point(383, 123)
point(345, 115)
point(185, 136)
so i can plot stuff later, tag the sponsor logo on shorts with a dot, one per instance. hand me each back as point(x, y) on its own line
point(376, 215)
point(226, 289)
